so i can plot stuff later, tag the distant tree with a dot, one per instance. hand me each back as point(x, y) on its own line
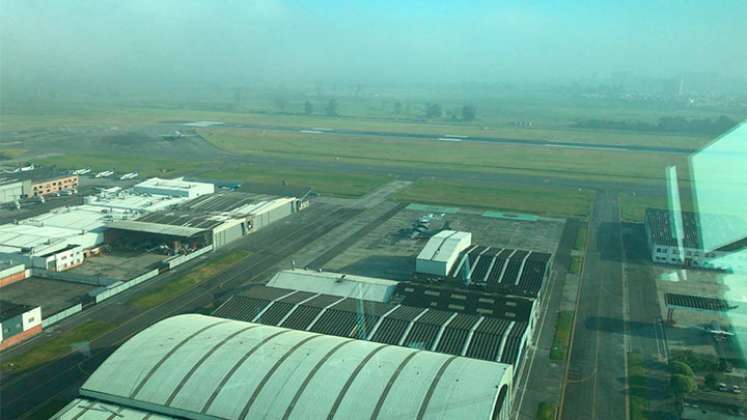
point(433, 111)
point(397, 108)
point(308, 108)
point(711, 380)
point(681, 368)
point(681, 386)
point(281, 102)
point(469, 113)
point(331, 108)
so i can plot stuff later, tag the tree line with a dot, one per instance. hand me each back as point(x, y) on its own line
point(431, 111)
point(664, 124)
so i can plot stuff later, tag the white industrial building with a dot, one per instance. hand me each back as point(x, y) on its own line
point(130, 202)
point(18, 323)
point(176, 187)
point(56, 240)
point(336, 284)
point(200, 367)
point(688, 251)
point(11, 191)
point(441, 252)
point(188, 213)
point(59, 239)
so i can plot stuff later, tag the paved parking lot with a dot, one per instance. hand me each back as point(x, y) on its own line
point(389, 251)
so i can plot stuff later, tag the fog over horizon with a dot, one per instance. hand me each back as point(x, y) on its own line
point(126, 43)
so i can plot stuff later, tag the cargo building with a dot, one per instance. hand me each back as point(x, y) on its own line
point(18, 323)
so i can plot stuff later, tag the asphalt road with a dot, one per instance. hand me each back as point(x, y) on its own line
point(454, 137)
point(29, 394)
point(643, 326)
point(595, 385)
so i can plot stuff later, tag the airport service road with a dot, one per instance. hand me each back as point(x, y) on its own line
point(25, 394)
point(595, 382)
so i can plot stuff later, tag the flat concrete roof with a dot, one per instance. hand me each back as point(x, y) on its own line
point(337, 284)
point(51, 295)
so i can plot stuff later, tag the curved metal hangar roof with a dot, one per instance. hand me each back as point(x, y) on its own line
point(199, 367)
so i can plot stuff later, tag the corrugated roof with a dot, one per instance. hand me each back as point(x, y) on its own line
point(337, 284)
point(698, 302)
point(443, 245)
point(195, 366)
point(85, 409)
point(155, 228)
point(498, 270)
point(422, 328)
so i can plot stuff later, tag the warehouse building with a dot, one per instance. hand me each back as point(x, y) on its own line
point(450, 260)
point(126, 201)
point(210, 220)
point(335, 284)
point(11, 272)
point(18, 323)
point(441, 252)
point(54, 241)
point(54, 185)
point(501, 270)
point(665, 248)
point(141, 235)
point(197, 367)
point(13, 190)
point(481, 337)
point(176, 187)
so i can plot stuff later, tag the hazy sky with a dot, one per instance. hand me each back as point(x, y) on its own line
point(377, 41)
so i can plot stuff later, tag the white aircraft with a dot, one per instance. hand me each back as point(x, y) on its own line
point(81, 171)
point(21, 169)
point(176, 134)
point(714, 329)
point(130, 175)
point(104, 174)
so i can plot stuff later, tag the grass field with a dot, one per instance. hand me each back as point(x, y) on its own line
point(552, 118)
point(581, 237)
point(176, 287)
point(633, 208)
point(577, 264)
point(11, 153)
point(562, 336)
point(331, 183)
point(478, 157)
point(542, 201)
point(56, 347)
point(637, 384)
point(546, 411)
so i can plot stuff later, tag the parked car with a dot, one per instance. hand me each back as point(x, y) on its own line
point(736, 389)
point(722, 387)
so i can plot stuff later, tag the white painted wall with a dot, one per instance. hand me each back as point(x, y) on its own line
point(32, 318)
